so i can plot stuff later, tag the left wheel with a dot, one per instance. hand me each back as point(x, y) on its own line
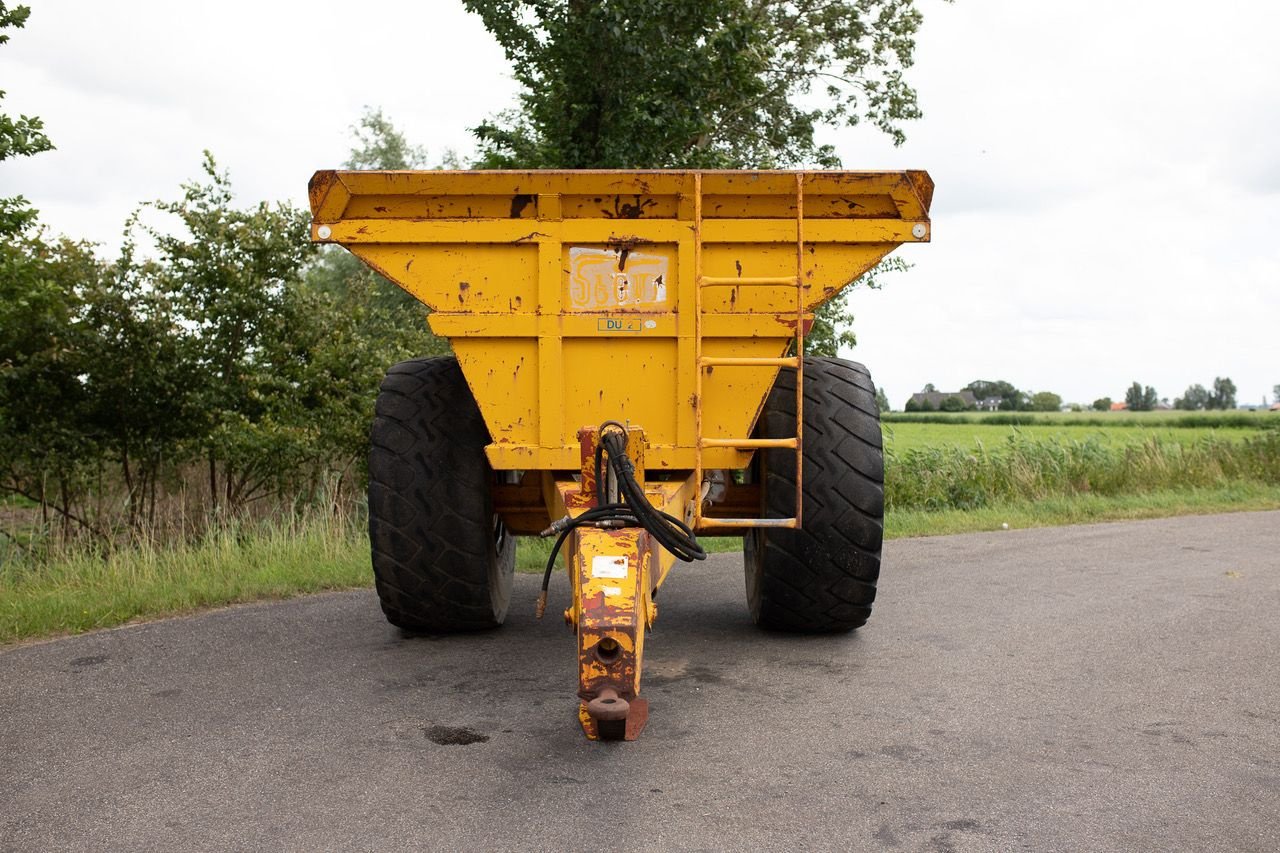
point(442, 559)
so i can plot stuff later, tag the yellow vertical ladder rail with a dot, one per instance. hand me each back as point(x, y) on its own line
point(702, 363)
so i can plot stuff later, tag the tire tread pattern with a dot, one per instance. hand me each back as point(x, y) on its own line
point(436, 563)
point(822, 577)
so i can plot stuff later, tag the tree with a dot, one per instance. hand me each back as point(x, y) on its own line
point(1275, 394)
point(715, 84)
point(1046, 401)
point(1194, 398)
point(21, 137)
point(952, 404)
point(44, 442)
point(647, 84)
point(1140, 399)
point(1102, 404)
point(882, 400)
point(1011, 399)
point(228, 274)
point(379, 145)
point(1224, 393)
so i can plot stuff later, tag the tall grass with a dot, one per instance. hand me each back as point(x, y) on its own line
point(81, 587)
point(950, 478)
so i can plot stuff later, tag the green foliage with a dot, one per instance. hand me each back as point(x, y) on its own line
point(379, 145)
point(882, 400)
point(1194, 398)
point(1224, 393)
point(1223, 396)
point(45, 434)
point(20, 137)
point(1102, 404)
point(1011, 399)
point(1045, 401)
point(1140, 399)
point(952, 404)
point(713, 84)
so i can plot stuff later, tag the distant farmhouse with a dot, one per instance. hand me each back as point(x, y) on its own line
point(931, 401)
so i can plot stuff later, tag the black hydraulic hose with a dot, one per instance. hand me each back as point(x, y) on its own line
point(672, 533)
point(636, 511)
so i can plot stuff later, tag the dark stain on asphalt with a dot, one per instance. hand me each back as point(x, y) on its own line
point(886, 836)
point(453, 736)
point(565, 780)
point(91, 660)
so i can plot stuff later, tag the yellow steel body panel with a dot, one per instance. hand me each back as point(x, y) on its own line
point(569, 296)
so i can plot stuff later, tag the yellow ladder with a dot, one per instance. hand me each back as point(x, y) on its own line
point(704, 362)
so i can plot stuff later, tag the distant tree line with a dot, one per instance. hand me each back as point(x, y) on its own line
point(1004, 396)
point(989, 394)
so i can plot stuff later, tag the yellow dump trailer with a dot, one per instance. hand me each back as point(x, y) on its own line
point(629, 372)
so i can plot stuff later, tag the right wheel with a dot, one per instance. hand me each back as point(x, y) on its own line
point(442, 559)
point(821, 577)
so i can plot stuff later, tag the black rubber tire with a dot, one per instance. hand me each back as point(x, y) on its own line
point(442, 560)
point(822, 577)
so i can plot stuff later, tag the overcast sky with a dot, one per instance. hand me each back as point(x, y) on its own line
point(1108, 173)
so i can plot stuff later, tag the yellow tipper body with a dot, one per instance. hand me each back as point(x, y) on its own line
point(571, 297)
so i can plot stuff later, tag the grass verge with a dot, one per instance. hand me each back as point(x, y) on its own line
point(83, 591)
point(1082, 509)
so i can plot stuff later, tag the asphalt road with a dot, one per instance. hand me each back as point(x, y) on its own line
point(1109, 687)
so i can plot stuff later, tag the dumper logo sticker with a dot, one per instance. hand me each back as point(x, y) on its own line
point(601, 279)
point(609, 567)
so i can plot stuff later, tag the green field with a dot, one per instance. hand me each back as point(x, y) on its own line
point(899, 437)
point(903, 432)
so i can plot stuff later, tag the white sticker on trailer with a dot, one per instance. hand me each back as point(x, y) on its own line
point(608, 567)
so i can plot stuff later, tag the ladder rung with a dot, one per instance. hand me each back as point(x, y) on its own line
point(749, 522)
point(748, 443)
point(713, 361)
point(766, 281)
